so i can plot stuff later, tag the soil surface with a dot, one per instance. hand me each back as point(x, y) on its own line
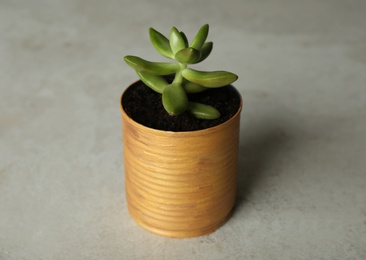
point(145, 107)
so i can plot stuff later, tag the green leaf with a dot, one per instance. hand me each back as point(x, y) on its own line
point(202, 111)
point(188, 56)
point(200, 37)
point(156, 83)
point(190, 87)
point(176, 40)
point(175, 99)
point(206, 50)
point(161, 43)
point(157, 68)
point(184, 38)
point(213, 79)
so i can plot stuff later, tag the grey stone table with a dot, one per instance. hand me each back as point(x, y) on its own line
point(302, 170)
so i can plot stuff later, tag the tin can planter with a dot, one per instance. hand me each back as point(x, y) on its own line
point(180, 184)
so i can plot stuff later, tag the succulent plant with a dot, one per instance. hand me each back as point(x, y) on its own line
point(186, 80)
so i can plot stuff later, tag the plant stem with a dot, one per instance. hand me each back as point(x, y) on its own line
point(178, 79)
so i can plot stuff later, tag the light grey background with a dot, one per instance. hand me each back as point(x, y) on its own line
point(302, 171)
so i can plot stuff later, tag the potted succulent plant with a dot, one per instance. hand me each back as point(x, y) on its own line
point(180, 137)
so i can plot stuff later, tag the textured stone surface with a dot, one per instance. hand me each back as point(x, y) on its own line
point(302, 182)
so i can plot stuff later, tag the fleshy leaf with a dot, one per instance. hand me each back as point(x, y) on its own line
point(188, 56)
point(206, 50)
point(200, 37)
point(203, 111)
point(156, 83)
point(191, 87)
point(176, 40)
point(175, 99)
point(212, 79)
point(157, 68)
point(161, 43)
point(184, 38)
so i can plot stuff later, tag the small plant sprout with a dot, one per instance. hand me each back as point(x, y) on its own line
point(186, 80)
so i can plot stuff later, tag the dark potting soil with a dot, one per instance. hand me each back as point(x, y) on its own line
point(145, 107)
